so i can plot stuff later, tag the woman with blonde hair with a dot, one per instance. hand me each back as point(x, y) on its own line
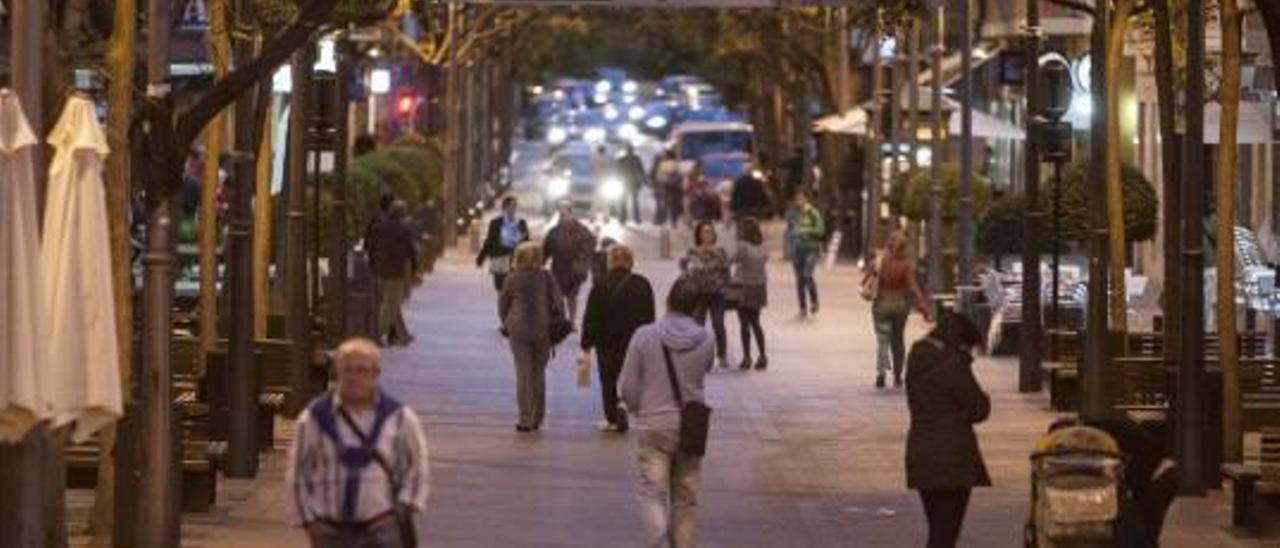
point(528, 304)
point(893, 274)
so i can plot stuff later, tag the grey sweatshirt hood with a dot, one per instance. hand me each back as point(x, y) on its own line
point(680, 333)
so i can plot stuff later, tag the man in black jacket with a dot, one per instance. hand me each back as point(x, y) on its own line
point(749, 197)
point(635, 178)
point(393, 253)
point(616, 307)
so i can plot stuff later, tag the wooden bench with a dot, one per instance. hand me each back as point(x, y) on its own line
point(1247, 479)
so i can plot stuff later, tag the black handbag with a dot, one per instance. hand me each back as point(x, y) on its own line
point(560, 326)
point(695, 416)
point(404, 515)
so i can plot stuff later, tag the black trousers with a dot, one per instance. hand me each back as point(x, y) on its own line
point(749, 324)
point(713, 306)
point(610, 368)
point(1153, 504)
point(945, 512)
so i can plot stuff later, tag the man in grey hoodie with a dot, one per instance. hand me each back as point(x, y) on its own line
point(669, 478)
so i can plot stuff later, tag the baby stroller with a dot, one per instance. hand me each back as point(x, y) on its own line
point(1077, 482)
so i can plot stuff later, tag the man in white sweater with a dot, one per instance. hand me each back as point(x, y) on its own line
point(669, 479)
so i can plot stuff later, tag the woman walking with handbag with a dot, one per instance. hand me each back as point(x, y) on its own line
point(751, 285)
point(661, 383)
point(532, 311)
point(616, 307)
point(890, 282)
point(707, 267)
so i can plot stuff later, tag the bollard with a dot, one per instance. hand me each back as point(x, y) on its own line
point(664, 244)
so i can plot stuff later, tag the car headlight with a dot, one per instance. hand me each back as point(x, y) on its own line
point(656, 122)
point(613, 189)
point(610, 113)
point(594, 135)
point(557, 187)
point(628, 132)
point(630, 86)
point(636, 112)
point(557, 135)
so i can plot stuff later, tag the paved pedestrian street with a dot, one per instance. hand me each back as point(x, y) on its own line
point(808, 453)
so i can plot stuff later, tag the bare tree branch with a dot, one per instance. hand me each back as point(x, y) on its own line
point(311, 16)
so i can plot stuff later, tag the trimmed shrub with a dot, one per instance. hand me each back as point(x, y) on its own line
point(909, 194)
point(1141, 205)
point(1000, 228)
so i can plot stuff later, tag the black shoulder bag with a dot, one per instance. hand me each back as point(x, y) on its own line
point(560, 325)
point(404, 515)
point(695, 416)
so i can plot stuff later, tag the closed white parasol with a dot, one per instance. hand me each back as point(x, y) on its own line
point(22, 336)
point(84, 377)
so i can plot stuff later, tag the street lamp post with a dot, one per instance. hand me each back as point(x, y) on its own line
point(242, 424)
point(1093, 404)
point(157, 512)
point(1031, 333)
point(936, 279)
point(341, 245)
point(964, 211)
point(1188, 405)
point(298, 317)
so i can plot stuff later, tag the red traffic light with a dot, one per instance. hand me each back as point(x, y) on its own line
point(405, 103)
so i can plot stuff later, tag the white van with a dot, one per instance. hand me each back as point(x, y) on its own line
point(693, 140)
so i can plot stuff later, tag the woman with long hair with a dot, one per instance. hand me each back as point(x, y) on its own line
point(707, 266)
point(894, 274)
point(749, 276)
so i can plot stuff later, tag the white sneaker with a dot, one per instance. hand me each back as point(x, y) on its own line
point(606, 426)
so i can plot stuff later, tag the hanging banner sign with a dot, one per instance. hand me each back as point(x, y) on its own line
point(195, 16)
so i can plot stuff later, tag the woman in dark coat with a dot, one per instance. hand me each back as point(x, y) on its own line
point(944, 462)
point(616, 307)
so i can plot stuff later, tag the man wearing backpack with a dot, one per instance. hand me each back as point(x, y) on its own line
point(358, 467)
point(806, 233)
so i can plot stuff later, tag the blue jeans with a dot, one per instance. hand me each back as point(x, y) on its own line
point(804, 262)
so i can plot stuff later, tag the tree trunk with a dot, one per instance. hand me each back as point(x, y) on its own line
point(262, 224)
point(215, 135)
point(120, 69)
point(871, 223)
point(1117, 246)
point(1229, 95)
